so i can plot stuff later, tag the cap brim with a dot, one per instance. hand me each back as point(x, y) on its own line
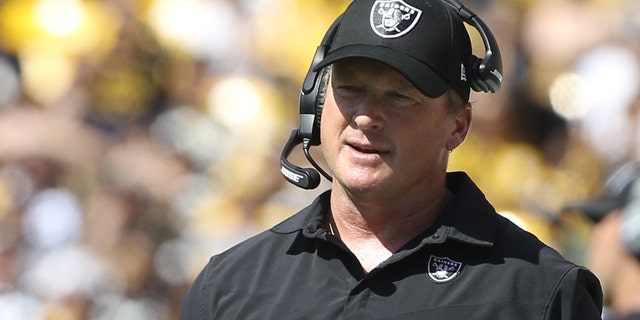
point(419, 74)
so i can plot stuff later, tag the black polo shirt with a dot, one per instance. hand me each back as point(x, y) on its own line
point(471, 264)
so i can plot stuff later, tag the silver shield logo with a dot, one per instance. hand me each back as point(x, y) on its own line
point(393, 18)
point(443, 269)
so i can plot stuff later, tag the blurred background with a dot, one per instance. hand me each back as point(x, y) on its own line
point(140, 137)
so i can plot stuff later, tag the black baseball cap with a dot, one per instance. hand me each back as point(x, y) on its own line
point(424, 40)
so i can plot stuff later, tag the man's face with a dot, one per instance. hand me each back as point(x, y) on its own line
point(381, 137)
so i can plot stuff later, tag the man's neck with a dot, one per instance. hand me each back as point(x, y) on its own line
point(373, 232)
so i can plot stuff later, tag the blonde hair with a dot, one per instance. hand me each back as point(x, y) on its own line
point(456, 103)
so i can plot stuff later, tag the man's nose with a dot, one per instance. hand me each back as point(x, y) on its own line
point(370, 114)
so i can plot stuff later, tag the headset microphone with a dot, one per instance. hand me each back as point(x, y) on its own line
point(305, 178)
point(308, 134)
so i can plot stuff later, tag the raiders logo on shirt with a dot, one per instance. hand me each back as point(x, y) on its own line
point(443, 269)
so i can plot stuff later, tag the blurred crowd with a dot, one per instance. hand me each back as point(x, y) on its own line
point(138, 138)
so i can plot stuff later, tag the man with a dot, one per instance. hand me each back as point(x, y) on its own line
point(613, 252)
point(396, 237)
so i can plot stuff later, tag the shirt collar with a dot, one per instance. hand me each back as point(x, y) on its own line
point(309, 220)
point(468, 217)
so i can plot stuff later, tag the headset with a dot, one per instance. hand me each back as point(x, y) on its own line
point(485, 75)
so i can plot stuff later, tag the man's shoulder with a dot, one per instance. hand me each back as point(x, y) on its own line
point(474, 216)
point(521, 248)
point(519, 259)
point(260, 244)
point(273, 242)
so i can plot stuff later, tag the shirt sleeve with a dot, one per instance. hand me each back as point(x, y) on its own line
point(195, 300)
point(578, 296)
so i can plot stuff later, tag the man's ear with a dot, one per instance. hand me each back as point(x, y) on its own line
point(461, 128)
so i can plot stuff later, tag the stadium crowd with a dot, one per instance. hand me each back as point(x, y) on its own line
point(138, 138)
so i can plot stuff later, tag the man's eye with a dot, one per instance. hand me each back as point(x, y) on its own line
point(350, 88)
point(401, 100)
point(349, 91)
point(399, 96)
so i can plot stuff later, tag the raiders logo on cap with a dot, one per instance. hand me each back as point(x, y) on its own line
point(443, 269)
point(393, 18)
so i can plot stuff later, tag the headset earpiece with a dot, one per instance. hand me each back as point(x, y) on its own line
point(314, 87)
point(311, 104)
point(309, 114)
point(486, 73)
point(319, 103)
point(473, 75)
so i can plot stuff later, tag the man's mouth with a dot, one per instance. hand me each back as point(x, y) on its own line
point(364, 149)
